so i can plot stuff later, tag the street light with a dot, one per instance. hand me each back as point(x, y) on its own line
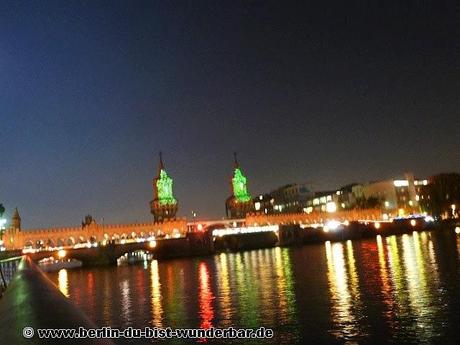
point(194, 220)
point(2, 225)
point(2, 230)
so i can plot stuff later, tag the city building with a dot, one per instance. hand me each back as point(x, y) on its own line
point(291, 198)
point(263, 204)
point(322, 202)
point(397, 197)
point(346, 199)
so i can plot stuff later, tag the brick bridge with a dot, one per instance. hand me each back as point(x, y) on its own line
point(92, 233)
point(138, 235)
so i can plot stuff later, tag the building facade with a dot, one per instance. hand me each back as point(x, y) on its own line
point(263, 204)
point(291, 198)
point(397, 197)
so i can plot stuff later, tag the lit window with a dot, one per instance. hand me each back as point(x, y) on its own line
point(400, 183)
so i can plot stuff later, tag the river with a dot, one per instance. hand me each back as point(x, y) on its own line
point(397, 289)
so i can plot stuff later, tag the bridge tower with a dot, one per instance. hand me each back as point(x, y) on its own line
point(12, 236)
point(239, 203)
point(163, 206)
point(16, 220)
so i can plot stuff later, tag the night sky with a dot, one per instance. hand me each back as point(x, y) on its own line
point(328, 93)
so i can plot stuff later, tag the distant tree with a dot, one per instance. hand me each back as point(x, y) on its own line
point(441, 193)
point(366, 203)
point(87, 221)
point(2, 211)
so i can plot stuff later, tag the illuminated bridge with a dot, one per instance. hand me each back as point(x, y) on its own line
point(105, 243)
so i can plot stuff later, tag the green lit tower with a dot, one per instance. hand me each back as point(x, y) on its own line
point(240, 202)
point(164, 205)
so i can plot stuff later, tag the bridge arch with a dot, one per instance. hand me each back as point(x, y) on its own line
point(50, 243)
point(115, 237)
point(133, 247)
point(70, 241)
point(39, 244)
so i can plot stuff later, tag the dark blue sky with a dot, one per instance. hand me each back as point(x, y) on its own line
point(90, 91)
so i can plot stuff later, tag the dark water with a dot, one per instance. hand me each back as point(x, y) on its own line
point(400, 289)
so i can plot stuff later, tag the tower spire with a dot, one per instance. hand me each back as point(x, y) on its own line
point(161, 165)
point(235, 160)
point(16, 219)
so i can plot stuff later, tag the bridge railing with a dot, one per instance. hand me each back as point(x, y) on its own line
point(8, 269)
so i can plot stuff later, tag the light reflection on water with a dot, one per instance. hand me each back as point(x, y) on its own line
point(206, 297)
point(63, 282)
point(344, 291)
point(400, 289)
point(155, 295)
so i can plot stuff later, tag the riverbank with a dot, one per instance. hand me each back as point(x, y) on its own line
point(33, 302)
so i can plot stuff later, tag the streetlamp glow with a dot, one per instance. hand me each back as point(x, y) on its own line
point(2, 230)
point(331, 207)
